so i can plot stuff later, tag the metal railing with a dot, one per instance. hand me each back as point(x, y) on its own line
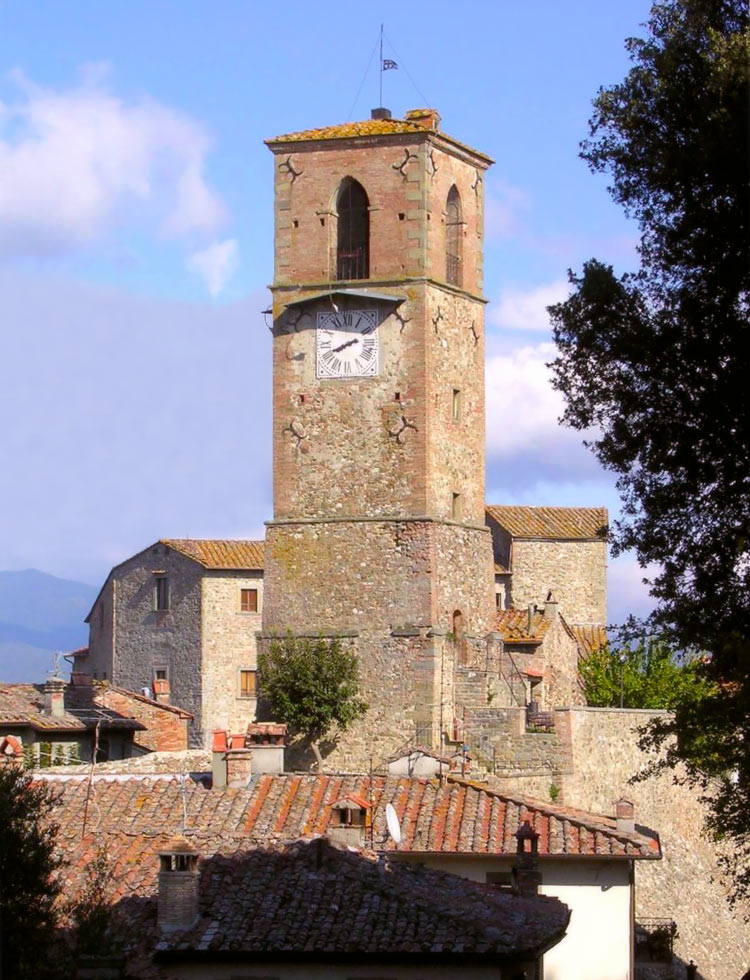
point(654, 939)
point(352, 263)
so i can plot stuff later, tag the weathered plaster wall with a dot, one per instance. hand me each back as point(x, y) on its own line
point(229, 645)
point(576, 571)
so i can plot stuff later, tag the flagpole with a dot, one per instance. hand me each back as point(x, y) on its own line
point(381, 65)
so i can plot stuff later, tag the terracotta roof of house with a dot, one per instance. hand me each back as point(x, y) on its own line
point(23, 705)
point(373, 127)
point(513, 625)
point(449, 816)
point(550, 523)
point(589, 638)
point(214, 553)
point(312, 897)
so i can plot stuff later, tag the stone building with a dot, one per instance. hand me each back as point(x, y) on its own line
point(180, 619)
point(380, 534)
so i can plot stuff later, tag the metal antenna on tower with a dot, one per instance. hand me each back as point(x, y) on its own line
point(385, 65)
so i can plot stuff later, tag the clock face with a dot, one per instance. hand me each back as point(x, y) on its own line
point(347, 344)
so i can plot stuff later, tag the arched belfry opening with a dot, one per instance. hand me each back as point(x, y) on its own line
point(353, 239)
point(453, 238)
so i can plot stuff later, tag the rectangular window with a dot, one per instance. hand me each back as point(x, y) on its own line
point(160, 673)
point(248, 683)
point(161, 593)
point(457, 508)
point(456, 403)
point(248, 600)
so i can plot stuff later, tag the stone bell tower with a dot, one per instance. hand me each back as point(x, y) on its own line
point(378, 534)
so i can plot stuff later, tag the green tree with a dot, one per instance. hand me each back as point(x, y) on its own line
point(28, 886)
point(654, 363)
point(312, 685)
point(646, 674)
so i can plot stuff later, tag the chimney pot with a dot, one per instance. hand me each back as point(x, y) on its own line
point(161, 690)
point(532, 625)
point(550, 606)
point(380, 113)
point(625, 816)
point(239, 763)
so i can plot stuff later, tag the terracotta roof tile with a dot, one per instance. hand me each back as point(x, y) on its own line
point(550, 523)
point(333, 901)
point(23, 705)
point(513, 626)
point(373, 127)
point(449, 815)
point(214, 553)
point(589, 638)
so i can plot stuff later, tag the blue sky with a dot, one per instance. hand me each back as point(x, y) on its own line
point(136, 244)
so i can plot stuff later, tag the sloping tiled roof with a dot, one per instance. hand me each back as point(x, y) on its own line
point(589, 638)
point(513, 625)
point(552, 523)
point(313, 897)
point(214, 553)
point(23, 704)
point(448, 816)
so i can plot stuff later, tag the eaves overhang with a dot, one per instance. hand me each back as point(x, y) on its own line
point(345, 292)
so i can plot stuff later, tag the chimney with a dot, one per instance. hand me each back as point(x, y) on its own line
point(525, 874)
point(625, 813)
point(239, 762)
point(380, 113)
point(219, 746)
point(54, 697)
point(428, 118)
point(178, 886)
point(532, 624)
point(266, 740)
point(550, 606)
point(161, 690)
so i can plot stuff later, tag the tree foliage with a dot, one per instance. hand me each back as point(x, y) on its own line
point(312, 685)
point(28, 887)
point(646, 674)
point(655, 363)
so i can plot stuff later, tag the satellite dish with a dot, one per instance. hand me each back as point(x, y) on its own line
point(394, 828)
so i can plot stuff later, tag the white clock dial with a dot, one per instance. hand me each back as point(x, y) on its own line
point(347, 344)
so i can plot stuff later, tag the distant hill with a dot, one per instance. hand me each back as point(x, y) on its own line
point(39, 614)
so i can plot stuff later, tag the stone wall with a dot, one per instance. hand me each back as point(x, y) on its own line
point(147, 639)
point(686, 885)
point(229, 645)
point(98, 662)
point(575, 571)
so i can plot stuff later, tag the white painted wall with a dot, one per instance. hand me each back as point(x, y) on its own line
point(597, 892)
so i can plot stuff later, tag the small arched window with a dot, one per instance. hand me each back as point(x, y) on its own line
point(353, 241)
point(453, 236)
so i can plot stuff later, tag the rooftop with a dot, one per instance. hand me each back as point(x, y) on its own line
point(23, 705)
point(449, 815)
point(417, 122)
point(513, 625)
point(217, 554)
point(551, 523)
point(589, 638)
point(314, 898)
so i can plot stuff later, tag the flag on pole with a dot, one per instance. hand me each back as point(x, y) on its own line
point(387, 63)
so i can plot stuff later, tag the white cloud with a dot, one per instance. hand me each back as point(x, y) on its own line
point(73, 161)
point(216, 264)
point(522, 407)
point(526, 309)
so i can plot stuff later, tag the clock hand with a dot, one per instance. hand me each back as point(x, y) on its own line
point(347, 344)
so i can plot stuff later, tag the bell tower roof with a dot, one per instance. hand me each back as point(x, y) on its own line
point(416, 122)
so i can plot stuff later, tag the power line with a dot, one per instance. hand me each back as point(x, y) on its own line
point(364, 79)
